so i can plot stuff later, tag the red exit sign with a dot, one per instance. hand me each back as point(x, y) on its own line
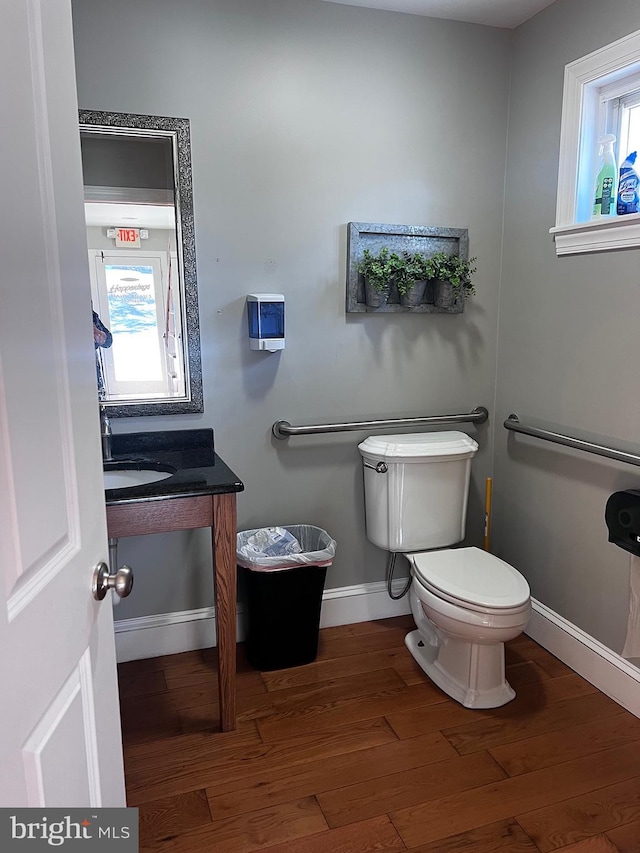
point(129, 237)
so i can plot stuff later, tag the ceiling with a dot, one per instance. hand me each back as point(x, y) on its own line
point(494, 13)
point(113, 215)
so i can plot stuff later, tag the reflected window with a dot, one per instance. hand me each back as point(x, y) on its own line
point(135, 298)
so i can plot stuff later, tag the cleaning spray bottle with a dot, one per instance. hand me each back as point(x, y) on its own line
point(605, 190)
point(628, 196)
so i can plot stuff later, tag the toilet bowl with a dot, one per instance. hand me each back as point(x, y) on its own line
point(466, 604)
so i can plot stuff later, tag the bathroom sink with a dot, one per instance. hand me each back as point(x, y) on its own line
point(128, 477)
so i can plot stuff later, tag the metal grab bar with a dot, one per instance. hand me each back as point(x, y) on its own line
point(513, 423)
point(283, 429)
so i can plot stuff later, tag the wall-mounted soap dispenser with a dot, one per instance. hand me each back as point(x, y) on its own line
point(265, 315)
point(622, 517)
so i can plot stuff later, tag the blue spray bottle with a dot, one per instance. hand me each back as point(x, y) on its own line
point(628, 187)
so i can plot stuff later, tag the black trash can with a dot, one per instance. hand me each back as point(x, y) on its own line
point(283, 600)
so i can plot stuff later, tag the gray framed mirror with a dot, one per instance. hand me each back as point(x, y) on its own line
point(142, 259)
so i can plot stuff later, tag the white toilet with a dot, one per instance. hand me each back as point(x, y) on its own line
point(466, 603)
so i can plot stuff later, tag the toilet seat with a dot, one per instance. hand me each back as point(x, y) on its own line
point(471, 579)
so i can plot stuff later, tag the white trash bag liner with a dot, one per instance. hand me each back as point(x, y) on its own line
point(269, 549)
point(270, 542)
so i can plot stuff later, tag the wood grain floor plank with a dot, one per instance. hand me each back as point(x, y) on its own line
point(627, 837)
point(524, 644)
point(611, 727)
point(509, 724)
point(173, 815)
point(552, 666)
point(376, 626)
point(406, 667)
point(264, 787)
point(515, 795)
point(335, 633)
point(148, 718)
point(199, 661)
point(526, 672)
point(370, 836)
point(200, 692)
point(371, 798)
point(530, 698)
point(151, 777)
point(139, 667)
point(201, 672)
point(325, 670)
point(249, 832)
point(170, 662)
point(199, 669)
point(171, 750)
point(141, 684)
point(505, 835)
point(355, 645)
point(410, 722)
point(281, 758)
point(584, 816)
point(345, 711)
point(338, 688)
point(203, 720)
point(599, 844)
point(523, 648)
point(195, 706)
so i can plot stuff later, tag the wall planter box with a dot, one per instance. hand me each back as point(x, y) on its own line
point(400, 238)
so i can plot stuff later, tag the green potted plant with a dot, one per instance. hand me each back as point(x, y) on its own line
point(412, 279)
point(379, 272)
point(452, 275)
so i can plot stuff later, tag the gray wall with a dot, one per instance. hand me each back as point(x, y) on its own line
point(305, 116)
point(568, 346)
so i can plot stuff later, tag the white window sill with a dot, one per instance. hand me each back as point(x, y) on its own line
point(598, 235)
point(615, 63)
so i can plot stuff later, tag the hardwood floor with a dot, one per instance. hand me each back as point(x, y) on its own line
point(359, 753)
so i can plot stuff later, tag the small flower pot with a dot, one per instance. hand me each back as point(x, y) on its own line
point(414, 296)
point(375, 298)
point(447, 296)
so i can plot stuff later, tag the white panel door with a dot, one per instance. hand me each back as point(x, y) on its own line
point(60, 740)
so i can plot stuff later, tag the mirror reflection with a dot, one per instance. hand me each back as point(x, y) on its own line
point(140, 238)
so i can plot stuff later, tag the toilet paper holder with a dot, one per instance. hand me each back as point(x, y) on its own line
point(622, 517)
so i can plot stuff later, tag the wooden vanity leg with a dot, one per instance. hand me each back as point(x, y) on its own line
point(225, 586)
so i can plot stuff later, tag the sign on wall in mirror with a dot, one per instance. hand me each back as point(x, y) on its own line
point(141, 242)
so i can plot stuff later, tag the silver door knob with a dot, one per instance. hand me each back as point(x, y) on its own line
point(121, 581)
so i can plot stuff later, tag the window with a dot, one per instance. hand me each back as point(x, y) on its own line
point(620, 114)
point(601, 95)
point(134, 297)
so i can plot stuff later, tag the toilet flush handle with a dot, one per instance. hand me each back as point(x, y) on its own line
point(380, 468)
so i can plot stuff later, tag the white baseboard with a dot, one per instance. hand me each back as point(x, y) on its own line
point(363, 603)
point(605, 669)
point(171, 633)
point(166, 634)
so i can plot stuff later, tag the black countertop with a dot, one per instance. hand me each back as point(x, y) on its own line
point(189, 452)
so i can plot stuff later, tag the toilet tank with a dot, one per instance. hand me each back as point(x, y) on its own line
point(420, 500)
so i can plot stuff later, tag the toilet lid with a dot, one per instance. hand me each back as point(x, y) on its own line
point(419, 446)
point(472, 576)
